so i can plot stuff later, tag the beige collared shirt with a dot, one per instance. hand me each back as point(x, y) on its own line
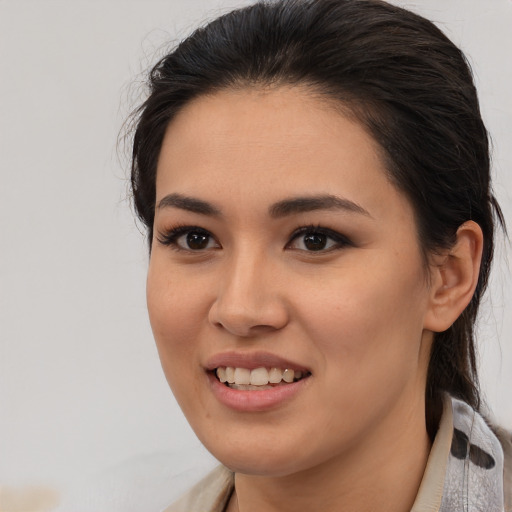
point(213, 492)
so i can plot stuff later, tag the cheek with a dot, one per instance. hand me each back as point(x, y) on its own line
point(369, 321)
point(176, 313)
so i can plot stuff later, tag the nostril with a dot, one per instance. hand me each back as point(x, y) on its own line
point(247, 306)
point(247, 323)
point(242, 323)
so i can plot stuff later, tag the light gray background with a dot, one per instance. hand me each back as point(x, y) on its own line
point(84, 406)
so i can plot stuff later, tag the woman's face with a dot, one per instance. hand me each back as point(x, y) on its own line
point(280, 243)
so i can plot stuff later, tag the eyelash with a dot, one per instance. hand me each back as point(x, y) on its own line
point(170, 237)
point(339, 239)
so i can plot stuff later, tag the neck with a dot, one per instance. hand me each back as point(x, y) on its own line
point(384, 472)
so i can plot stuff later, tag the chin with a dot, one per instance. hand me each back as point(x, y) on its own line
point(261, 458)
point(260, 466)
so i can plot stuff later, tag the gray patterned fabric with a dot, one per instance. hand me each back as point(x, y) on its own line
point(474, 473)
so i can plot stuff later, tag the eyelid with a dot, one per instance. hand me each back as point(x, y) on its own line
point(341, 240)
point(170, 236)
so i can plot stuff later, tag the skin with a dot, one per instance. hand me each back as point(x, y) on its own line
point(360, 315)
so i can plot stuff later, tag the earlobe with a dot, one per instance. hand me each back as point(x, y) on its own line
point(454, 278)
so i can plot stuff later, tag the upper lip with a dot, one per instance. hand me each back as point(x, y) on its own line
point(251, 361)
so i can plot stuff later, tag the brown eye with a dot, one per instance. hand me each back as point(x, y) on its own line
point(318, 239)
point(196, 241)
point(315, 241)
point(189, 238)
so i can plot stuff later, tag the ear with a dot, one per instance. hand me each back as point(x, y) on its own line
point(454, 276)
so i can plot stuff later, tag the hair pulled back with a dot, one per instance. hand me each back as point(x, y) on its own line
point(400, 76)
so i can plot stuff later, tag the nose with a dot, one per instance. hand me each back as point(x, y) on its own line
point(251, 297)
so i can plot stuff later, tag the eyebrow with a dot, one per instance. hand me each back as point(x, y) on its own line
point(310, 203)
point(190, 204)
point(280, 209)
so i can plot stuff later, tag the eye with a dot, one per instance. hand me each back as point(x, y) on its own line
point(189, 238)
point(317, 239)
point(195, 241)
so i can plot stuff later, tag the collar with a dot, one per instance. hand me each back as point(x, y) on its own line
point(464, 471)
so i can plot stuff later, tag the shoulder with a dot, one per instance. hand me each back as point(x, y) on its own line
point(505, 438)
point(479, 470)
point(211, 494)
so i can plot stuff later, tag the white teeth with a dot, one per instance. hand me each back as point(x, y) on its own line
point(230, 375)
point(288, 375)
point(258, 377)
point(275, 375)
point(242, 376)
point(221, 374)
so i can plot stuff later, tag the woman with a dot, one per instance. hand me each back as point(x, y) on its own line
point(314, 179)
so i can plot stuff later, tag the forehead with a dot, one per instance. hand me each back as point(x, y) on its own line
point(272, 143)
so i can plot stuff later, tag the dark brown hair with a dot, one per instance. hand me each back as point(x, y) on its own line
point(400, 76)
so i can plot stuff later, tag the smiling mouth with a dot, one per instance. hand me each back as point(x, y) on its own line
point(258, 378)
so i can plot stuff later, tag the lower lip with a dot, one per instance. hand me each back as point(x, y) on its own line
point(258, 400)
